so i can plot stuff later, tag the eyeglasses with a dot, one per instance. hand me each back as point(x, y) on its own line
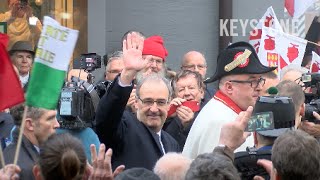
point(193, 67)
point(253, 83)
point(149, 102)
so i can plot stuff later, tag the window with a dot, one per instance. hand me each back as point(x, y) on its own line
point(69, 13)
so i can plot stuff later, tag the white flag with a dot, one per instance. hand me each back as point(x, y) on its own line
point(290, 48)
point(296, 8)
point(280, 49)
point(269, 19)
point(315, 63)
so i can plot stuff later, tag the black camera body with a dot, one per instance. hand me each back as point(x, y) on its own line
point(79, 99)
point(76, 110)
point(23, 3)
point(89, 62)
point(311, 80)
point(246, 163)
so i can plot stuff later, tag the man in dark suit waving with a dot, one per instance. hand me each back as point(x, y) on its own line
point(136, 140)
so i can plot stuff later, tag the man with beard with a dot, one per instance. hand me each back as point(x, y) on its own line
point(40, 124)
point(136, 140)
point(155, 54)
point(239, 73)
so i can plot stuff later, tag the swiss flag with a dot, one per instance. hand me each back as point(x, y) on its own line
point(269, 19)
point(296, 8)
point(11, 92)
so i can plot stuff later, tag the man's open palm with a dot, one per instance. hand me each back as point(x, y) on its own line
point(132, 52)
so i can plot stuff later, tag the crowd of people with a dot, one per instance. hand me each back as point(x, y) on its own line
point(154, 123)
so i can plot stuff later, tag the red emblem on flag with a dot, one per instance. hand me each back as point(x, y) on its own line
point(256, 46)
point(293, 52)
point(268, 22)
point(315, 67)
point(282, 63)
point(269, 43)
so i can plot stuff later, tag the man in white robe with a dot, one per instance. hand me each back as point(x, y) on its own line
point(239, 73)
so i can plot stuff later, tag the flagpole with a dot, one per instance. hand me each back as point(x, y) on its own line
point(16, 155)
point(313, 43)
point(2, 158)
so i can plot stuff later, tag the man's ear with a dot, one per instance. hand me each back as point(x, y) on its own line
point(29, 124)
point(202, 92)
point(274, 174)
point(302, 108)
point(228, 87)
point(37, 172)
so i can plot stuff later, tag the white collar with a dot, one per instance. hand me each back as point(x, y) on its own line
point(24, 79)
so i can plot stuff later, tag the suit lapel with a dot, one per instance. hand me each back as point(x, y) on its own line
point(30, 149)
point(165, 142)
point(155, 138)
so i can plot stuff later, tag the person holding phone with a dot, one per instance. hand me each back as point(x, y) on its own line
point(22, 24)
point(239, 72)
point(184, 108)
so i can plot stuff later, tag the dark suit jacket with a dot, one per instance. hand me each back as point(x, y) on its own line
point(133, 143)
point(27, 157)
point(6, 124)
point(208, 94)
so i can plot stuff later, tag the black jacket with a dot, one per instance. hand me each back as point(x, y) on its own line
point(27, 158)
point(133, 143)
point(6, 124)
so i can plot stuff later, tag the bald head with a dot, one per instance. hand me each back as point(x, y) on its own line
point(194, 61)
point(172, 166)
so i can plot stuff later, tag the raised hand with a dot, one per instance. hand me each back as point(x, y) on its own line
point(232, 134)
point(132, 52)
point(102, 168)
point(132, 58)
point(185, 115)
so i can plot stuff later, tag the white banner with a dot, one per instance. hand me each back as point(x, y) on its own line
point(280, 49)
point(56, 45)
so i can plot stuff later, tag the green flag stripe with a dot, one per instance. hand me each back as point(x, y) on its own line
point(44, 86)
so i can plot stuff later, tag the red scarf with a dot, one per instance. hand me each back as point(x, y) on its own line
point(219, 96)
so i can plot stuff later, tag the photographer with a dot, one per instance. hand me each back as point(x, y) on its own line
point(310, 127)
point(81, 125)
point(22, 25)
point(310, 110)
point(282, 122)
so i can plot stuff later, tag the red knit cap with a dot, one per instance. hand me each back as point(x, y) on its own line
point(153, 45)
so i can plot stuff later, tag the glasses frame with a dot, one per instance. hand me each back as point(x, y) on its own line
point(143, 101)
point(263, 80)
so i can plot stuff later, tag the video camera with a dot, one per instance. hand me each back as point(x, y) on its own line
point(311, 81)
point(79, 99)
point(283, 113)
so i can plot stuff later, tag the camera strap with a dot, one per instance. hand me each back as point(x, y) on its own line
point(93, 94)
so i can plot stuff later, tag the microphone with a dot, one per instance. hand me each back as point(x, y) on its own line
point(273, 91)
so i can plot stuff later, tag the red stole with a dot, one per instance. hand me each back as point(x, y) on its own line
point(219, 96)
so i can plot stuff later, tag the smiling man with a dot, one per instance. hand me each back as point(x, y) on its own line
point(188, 87)
point(240, 82)
point(136, 139)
